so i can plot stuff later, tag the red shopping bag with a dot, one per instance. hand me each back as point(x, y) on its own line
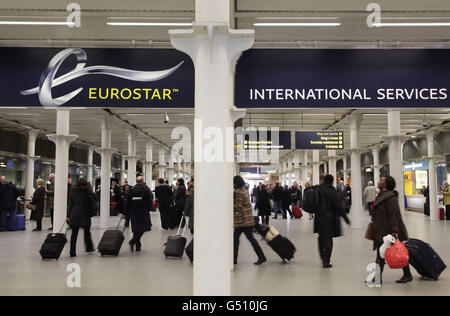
point(397, 257)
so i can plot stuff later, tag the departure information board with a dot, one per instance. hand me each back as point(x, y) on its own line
point(267, 140)
point(328, 140)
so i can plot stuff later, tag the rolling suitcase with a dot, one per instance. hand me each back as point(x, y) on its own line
point(297, 212)
point(53, 245)
point(283, 247)
point(20, 222)
point(424, 259)
point(190, 251)
point(111, 242)
point(175, 244)
point(441, 213)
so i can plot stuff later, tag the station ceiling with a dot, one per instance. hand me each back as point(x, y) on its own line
point(95, 32)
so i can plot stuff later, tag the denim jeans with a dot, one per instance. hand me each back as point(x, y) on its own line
point(278, 208)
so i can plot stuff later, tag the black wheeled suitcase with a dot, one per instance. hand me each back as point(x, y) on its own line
point(53, 245)
point(424, 259)
point(190, 251)
point(283, 247)
point(176, 244)
point(111, 242)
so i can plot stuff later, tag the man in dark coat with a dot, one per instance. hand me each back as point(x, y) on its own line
point(138, 203)
point(8, 202)
point(277, 195)
point(38, 200)
point(180, 202)
point(327, 222)
point(164, 197)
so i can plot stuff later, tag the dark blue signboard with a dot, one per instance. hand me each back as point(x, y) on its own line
point(248, 170)
point(302, 78)
point(75, 77)
point(331, 140)
point(267, 140)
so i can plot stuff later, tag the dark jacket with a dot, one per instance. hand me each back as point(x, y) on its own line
point(81, 207)
point(296, 194)
point(138, 203)
point(327, 222)
point(180, 197)
point(386, 218)
point(263, 203)
point(189, 208)
point(286, 199)
point(277, 193)
point(8, 196)
point(38, 200)
point(164, 195)
point(50, 195)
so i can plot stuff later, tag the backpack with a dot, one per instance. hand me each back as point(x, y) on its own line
point(294, 196)
point(314, 200)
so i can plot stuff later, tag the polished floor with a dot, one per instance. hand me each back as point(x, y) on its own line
point(22, 272)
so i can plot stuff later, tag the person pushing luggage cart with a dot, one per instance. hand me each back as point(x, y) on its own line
point(138, 203)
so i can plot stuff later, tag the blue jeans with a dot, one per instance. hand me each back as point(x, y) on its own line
point(278, 208)
point(9, 222)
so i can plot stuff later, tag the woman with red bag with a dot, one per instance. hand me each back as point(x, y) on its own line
point(387, 219)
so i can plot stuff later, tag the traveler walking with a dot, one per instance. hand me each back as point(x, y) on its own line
point(138, 203)
point(296, 195)
point(81, 208)
point(243, 220)
point(387, 219)
point(189, 208)
point(306, 194)
point(50, 192)
point(38, 200)
point(263, 205)
point(286, 202)
point(370, 194)
point(180, 200)
point(348, 198)
point(164, 196)
point(277, 196)
point(8, 203)
point(327, 222)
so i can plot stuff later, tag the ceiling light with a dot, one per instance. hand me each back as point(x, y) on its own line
point(297, 18)
point(411, 24)
point(37, 23)
point(148, 24)
point(298, 24)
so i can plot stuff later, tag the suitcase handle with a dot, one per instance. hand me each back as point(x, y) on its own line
point(118, 225)
point(179, 227)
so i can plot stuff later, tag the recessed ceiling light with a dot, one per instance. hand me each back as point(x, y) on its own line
point(299, 24)
point(148, 24)
point(49, 23)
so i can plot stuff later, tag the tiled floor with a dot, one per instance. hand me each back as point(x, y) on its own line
point(23, 273)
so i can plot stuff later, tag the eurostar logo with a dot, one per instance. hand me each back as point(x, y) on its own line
point(48, 80)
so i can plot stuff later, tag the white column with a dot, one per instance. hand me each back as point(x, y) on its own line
point(345, 167)
point(132, 158)
point(434, 212)
point(123, 171)
point(296, 169)
point(179, 173)
point(90, 166)
point(214, 49)
point(189, 170)
point(62, 140)
point(31, 158)
point(162, 163)
point(316, 167)
point(325, 167)
point(395, 141)
point(332, 165)
point(357, 203)
point(376, 166)
point(171, 169)
point(149, 165)
point(105, 174)
point(305, 168)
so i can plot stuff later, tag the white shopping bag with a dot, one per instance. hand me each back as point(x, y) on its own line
point(389, 241)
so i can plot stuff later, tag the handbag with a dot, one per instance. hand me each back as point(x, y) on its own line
point(370, 235)
point(30, 206)
point(397, 256)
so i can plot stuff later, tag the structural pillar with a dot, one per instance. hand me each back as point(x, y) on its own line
point(357, 201)
point(332, 161)
point(132, 158)
point(162, 163)
point(123, 171)
point(395, 141)
point(434, 212)
point(62, 140)
point(214, 49)
point(376, 166)
point(171, 169)
point(316, 167)
point(31, 158)
point(90, 166)
point(345, 167)
point(305, 168)
point(149, 165)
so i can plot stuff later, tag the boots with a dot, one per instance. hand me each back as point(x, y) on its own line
point(407, 276)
